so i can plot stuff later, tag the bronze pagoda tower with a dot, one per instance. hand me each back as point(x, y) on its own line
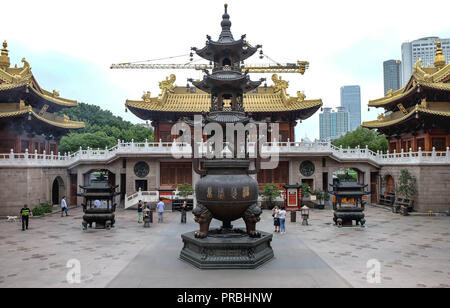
point(226, 190)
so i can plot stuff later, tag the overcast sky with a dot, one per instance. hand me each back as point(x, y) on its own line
point(71, 44)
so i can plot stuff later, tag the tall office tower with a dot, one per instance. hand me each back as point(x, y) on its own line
point(392, 75)
point(333, 124)
point(341, 122)
point(351, 100)
point(326, 126)
point(425, 49)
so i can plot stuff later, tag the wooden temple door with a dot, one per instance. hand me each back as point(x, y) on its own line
point(374, 187)
point(73, 189)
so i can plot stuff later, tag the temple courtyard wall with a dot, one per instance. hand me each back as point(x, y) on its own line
point(31, 186)
point(433, 185)
point(36, 184)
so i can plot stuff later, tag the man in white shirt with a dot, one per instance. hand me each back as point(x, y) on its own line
point(160, 207)
point(64, 208)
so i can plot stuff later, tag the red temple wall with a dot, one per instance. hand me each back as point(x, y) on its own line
point(438, 139)
point(19, 143)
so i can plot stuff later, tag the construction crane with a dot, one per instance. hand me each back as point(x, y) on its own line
point(298, 67)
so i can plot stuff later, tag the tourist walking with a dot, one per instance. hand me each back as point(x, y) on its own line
point(25, 213)
point(183, 212)
point(139, 209)
point(276, 218)
point(64, 208)
point(282, 217)
point(160, 207)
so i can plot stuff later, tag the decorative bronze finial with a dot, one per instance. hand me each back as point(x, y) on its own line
point(226, 6)
point(439, 59)
point(4, 50)
point(4, 59)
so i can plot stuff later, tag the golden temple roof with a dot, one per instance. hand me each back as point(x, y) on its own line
point(433, 108)
point(15, 77)
point(14, 110)
point(181, 99)
point(437, 77)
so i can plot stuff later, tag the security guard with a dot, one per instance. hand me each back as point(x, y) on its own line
point(25, 213)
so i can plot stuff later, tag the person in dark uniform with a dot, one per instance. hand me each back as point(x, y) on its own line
point(183, 212)
point(25, 213)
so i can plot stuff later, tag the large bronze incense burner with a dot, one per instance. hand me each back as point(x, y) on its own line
point(227, 191)
point(348, 202)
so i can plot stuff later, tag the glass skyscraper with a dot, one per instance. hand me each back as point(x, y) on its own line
point(333, 124)
point(392, 75)
point(351, 100)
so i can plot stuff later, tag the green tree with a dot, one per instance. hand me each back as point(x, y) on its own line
point(270, 192)
point(361, 137)
point(407, 184)
point(103, 129)
point(185, 190)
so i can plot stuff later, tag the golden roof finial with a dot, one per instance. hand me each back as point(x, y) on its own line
point(439, 59)
point(4, 59)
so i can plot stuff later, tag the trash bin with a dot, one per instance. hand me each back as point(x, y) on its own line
point(293, 216)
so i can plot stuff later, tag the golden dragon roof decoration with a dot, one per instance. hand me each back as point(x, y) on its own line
point(437, 77)
point(15, 77)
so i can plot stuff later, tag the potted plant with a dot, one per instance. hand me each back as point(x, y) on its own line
point(183, 191)
point(407, 189)
point(269, 193)
point(306, 191)
point(321, 196)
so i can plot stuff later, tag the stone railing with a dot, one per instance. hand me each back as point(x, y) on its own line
point(282, 149)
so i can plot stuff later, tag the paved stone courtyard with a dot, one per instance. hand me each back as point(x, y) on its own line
point(413, 251)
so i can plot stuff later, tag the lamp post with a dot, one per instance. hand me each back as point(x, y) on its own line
point(305, 215)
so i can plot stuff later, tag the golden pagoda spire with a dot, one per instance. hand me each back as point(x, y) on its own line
point(4, 59)
point(439, 59)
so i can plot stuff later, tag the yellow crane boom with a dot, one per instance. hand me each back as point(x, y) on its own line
point(298, 67)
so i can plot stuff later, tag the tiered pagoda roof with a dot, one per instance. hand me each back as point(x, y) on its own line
point(423, 103)
point(21, 96)
point(174, 102)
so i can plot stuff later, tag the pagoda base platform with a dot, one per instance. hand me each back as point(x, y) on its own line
point(232, 249)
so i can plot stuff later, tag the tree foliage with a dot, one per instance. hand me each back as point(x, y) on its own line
point(103, 129)
point(270, 192)
point(407, 184)
point(185, 190)
point(361, 137)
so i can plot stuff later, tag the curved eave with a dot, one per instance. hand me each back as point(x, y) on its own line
point(385, 123)
point(65, 125)
point(396, 96)
point(240, 83)
point(46, 97)
point(236, 47)
point(298, 110)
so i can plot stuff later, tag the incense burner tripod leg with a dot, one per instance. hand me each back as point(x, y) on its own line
point(251, 217)
point(203, 217)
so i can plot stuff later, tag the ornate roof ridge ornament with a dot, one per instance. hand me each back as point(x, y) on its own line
point(439, 59)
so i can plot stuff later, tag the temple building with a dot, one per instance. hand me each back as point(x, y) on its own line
point(28, 119)
point(270, 103)
point(417, 116)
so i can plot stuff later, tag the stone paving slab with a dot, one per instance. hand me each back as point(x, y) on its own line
point(413, 251)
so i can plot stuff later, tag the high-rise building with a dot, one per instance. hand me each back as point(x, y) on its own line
point(351, 100)
point(333, 124)
point(423, 48)
point(392, 75)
